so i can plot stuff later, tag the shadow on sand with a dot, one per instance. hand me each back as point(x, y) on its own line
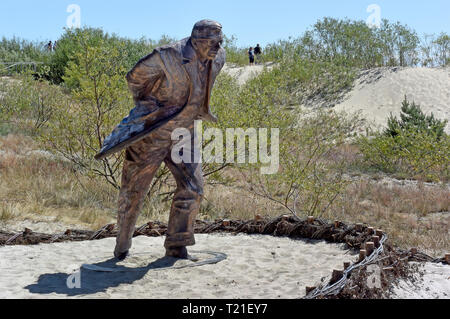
point(92, 282)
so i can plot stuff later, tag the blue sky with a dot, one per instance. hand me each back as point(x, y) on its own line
point(251, 21)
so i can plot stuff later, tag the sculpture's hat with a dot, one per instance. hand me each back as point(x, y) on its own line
point(207, 29)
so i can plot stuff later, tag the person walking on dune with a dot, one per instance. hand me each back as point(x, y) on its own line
point(251, 56)
point(258, 52)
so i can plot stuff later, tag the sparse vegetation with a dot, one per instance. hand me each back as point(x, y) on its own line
point(99, 100)
point(27, 105)
point(354, 44)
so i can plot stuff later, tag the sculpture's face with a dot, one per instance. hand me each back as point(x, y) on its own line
point(207, 49)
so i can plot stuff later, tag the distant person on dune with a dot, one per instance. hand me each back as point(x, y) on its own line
point(251, 56)
point(258, 52)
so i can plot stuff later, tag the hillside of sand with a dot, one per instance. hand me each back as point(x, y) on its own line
point(379, 92)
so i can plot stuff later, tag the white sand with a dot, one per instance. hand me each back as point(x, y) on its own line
point(38, 224)
point(379, 92)
point(246, 73)
point(257, 267)
point(431, 282)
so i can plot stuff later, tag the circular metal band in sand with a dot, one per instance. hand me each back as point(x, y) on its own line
point(166, 263)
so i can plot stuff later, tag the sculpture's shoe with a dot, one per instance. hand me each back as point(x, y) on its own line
point(177, 252)
point(121, 256)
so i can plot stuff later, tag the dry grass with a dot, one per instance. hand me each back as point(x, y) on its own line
point(7, 212)
point(413, 215)
point(40, 186)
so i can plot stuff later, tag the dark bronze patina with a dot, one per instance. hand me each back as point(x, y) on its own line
point(171, 88)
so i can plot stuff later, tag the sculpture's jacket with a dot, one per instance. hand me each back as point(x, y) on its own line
point(169, 89)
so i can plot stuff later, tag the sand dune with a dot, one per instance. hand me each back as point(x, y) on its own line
point(379, 92)
point(246, 73)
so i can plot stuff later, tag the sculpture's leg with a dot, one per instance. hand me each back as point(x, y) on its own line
point(185, 206)
point(138, 170)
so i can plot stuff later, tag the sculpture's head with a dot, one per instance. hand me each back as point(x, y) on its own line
point(207, 38)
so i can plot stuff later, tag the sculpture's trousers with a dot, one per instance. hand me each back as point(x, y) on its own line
point(142, 161)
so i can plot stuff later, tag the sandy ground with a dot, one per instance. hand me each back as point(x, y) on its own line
point(243, 74)
point(379, 92)
point(256, 267)
point(431, 282)
point(39, 224)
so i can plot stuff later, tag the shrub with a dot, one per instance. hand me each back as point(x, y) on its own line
point(68, 46)
point(353, 44)
point(415, 146)
point(235, 55)
point(311, 178)
point(442, 49)
point(27, 104)
point(409, 154)
point(100, 99)
point(412, 119)
point(19, 50)
point(435, 50)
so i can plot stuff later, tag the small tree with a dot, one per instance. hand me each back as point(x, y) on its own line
point(311, 175)
point(414, 146)
point(442, 48)
point(100, 99)
point(412, 119)
point(27, 104)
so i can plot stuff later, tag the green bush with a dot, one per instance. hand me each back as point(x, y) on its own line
point(299, 81)
point(435, 50)
point(235, 55)
point(353, 44)
point(19, 50)
point(68, 46)
point(415, 146)
point(98, 102)
point(27, 105)
point(310, 178)
point(412, 119)
point(409, 155)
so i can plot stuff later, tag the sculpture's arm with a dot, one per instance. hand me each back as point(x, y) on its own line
point(145, 78)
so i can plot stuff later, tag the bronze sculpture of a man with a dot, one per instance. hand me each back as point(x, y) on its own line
point(171, 88)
